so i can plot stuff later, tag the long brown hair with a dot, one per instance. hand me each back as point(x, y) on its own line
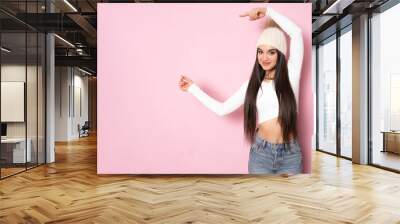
point(287, 101)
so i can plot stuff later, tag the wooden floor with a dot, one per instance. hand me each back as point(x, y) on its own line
point(387, 159)
point(5, 172)
point(70, 191)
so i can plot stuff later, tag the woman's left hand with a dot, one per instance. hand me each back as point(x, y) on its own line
point(255, 13)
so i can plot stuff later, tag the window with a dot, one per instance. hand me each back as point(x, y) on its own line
point(346, 93)
point(327, 96)
point(385, 89)
point(22, 65)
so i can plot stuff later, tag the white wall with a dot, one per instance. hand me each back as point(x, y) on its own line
point(71, 93)
point(12, 73)
point(80, 84)
point(62, 81)
point(33, 127)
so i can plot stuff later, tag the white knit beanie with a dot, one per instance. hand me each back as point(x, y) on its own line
point(273, 37)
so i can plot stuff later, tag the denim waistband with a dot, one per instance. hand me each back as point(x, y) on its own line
point(264, 142)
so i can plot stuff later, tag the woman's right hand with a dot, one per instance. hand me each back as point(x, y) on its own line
point(184, 83)
point(255, 13)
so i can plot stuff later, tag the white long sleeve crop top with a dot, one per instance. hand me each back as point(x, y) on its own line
point(267, 101)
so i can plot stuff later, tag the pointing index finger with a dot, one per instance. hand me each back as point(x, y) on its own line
point(244, 14)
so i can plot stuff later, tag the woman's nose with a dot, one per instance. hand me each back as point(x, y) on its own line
point(264, 57)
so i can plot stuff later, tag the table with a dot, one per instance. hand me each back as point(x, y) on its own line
point(391, 141)
point(15, 148)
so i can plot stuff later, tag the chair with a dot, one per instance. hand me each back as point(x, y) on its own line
point(84, 130)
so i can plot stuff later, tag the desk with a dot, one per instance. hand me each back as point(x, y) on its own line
point(391, 141)
point(15, 148)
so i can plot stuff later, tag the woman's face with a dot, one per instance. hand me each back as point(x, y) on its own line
point(267, 57)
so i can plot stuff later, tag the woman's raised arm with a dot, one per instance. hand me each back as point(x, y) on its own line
point(221, 109)
point(296, 44)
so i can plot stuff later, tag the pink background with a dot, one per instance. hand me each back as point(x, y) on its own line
point(146, 124)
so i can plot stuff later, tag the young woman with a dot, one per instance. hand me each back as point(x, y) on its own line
point(270, 98)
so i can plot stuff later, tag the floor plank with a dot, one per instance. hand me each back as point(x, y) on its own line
point(70, 191)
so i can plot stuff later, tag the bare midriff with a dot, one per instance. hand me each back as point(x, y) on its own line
point(270, 131)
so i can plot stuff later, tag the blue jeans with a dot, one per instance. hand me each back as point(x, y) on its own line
point(270, 158)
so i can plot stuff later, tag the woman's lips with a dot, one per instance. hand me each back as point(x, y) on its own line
point(266, 63)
